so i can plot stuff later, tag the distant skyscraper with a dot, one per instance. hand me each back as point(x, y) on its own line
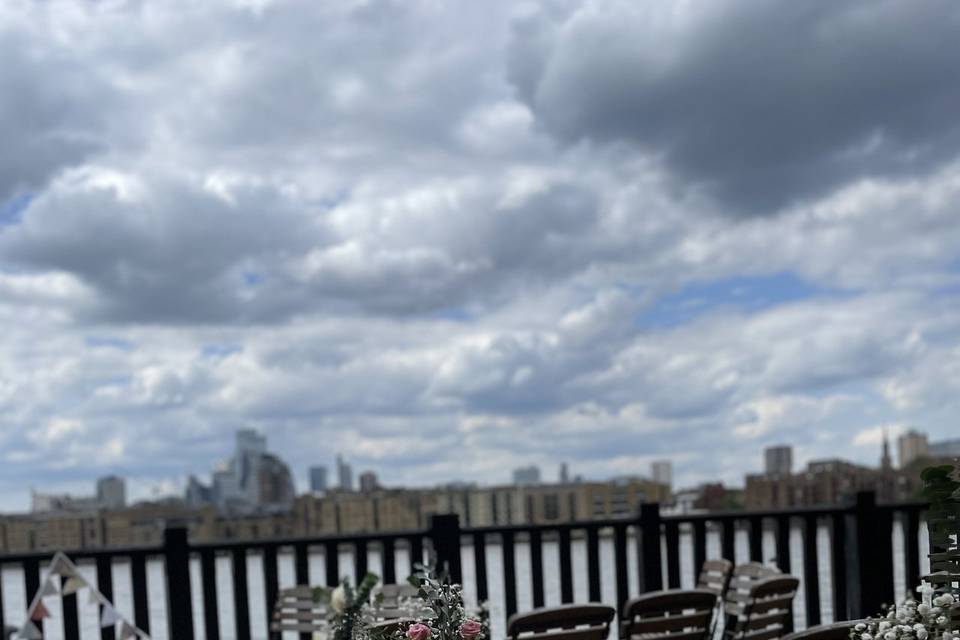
point(779, 460)
point(318, 479)
point(885, 461)
point(564, 473)
point(344, 474)
point(526, 475)
point(911, 446)
point(662, 472)
point(111, 492)
point(369, 482)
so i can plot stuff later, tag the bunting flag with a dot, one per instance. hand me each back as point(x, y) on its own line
point(109, 616)
point(62, 566)
point(73, 584)
point(49, 588)
point(30, 632)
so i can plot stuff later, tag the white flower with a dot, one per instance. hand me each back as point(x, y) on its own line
point(921, 633)
point(923, 609)
point(941, 620)
point(866, 636)
point(860, 626)
point(890, 635)
point(883, 626)
point(338, 599)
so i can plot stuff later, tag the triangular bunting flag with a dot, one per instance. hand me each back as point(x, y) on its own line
point(61, 566)
point(95, 597)
point(49, 587)
point(29, 631)
point(39, 611)
point(127, 631)
point(73, 584)
point(109, 617)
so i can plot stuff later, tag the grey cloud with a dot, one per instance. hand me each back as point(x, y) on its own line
point(758, 104)
point(50, 113)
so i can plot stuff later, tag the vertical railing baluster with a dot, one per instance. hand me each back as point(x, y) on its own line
point(105, 585)
point(873, 555)
point(566, 567)
point(811, 571)
point(208, 580)
point(649, 558)
point(31, 582)
point(509, 574)
point(593, 563)
point(620, 562)
point(536, 567)
point(270, 584)
point(727, 539)
point(838, 550)
point(416, 550)
point(387, 562)
point(241, 604)
point(783, 543)
point(331, 552)
point(756, 539)
point(176, 562)
point(301, 568)
point(699, 547)
point(672, 532)
point(359, 561)
point(480, 565)
point(138, 580)
point(911, 539)
point(71, 625)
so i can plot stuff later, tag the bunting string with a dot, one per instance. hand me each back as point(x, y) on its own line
point(73, 583)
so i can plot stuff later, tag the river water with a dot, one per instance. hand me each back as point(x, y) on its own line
point(15, 602)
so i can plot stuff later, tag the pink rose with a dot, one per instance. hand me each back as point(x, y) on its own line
point(418, 631)
point(471, 629)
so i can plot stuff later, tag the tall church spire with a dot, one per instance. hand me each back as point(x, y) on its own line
point(885, 462)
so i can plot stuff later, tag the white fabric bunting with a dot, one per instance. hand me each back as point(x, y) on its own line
point(62, 566)
point(49, 588)
point(73, 584)
point(109, 616)
point(30, 632)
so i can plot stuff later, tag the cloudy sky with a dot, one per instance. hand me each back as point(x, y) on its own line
point(451, 238)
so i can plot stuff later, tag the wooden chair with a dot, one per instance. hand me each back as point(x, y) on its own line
point(297, 611)
point(670, 615)
point(715, 576)
point(835, 631)
point(390, 595)
point(567, 622)
point(762, 611)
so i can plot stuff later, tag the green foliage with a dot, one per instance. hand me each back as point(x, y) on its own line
point(941, 488)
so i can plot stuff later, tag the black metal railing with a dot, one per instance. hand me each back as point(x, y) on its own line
point(861, 568)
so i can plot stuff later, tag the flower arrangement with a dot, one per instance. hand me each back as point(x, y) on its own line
point(930, 619)
point(346, 605)
point(445, 617)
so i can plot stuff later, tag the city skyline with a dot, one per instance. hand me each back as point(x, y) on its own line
point(605, 233)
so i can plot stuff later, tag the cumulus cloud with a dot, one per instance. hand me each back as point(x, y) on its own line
point(363, 229)
point(756, 104)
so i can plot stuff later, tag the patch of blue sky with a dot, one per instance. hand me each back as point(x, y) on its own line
point(11, 211)
point(220, 350)
point(252, 278)
point(745, 293)
point(108, 342)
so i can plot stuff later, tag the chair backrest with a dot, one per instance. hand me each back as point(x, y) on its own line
point(715, 575)
point(835, 631)
point(760, 613)
point(567, 622)
point(670, 615)
point(297, 611)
